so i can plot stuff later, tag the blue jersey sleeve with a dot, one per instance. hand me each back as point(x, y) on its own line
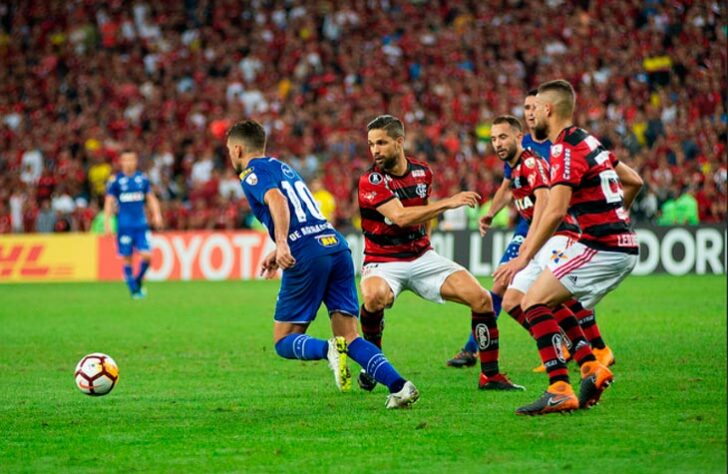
point(507, 171)
point(146, 186)
point(256, 182)
point(112, 187)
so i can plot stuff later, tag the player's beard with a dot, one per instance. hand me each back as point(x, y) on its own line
point(510, 153)
point(387, 161)
point(541, 131)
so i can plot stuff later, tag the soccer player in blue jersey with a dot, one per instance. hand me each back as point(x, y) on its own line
point(127, 192)
point(467, 355)
point(317, 267)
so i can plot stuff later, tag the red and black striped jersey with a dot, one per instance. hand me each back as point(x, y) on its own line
point(383, 240)
point(530, 173)
point(580, 161)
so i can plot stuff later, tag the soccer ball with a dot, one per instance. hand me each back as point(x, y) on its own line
point(96, 374)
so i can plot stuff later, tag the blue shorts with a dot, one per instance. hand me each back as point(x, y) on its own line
point(519, 235)
point(325, 278)
point(129, 239)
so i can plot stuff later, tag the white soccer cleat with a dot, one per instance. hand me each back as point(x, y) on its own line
point(405, 398)
point(337, 363)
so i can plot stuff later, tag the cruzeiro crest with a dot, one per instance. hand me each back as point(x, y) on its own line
point(421, 190)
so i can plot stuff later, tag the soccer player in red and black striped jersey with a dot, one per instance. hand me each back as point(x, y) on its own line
point(588, 183)
point(530, 189)
point(395, 211)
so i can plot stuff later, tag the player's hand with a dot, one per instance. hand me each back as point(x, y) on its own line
point(505, 273)
point(284, 259)
point(464, 198)
point(269, 267)
point(484, 224)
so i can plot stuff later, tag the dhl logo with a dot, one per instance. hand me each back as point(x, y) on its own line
point(24, 260)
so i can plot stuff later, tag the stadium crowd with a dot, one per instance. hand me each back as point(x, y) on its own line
point(83, 80)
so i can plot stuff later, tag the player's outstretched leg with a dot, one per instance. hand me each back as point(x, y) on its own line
point(559, 397)
point(595, 377)
point(462, 287)
point(588, 323)
point(485, 331)
point(304, 347)
point(466, 357)
point(402, 393)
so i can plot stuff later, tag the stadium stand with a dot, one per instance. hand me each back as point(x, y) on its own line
point(82, 80)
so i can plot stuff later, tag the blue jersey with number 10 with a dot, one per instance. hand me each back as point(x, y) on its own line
point(309, 233)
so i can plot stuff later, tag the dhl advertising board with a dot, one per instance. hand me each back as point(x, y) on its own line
point(49, 258)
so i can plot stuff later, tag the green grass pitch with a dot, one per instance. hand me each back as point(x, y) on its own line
point(201, 388)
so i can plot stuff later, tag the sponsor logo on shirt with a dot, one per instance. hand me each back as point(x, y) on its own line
point(418, 173)
point(556, 150)
point(134, 196)
point(328, 240)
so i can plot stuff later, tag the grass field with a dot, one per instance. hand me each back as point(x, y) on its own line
point(201, 388)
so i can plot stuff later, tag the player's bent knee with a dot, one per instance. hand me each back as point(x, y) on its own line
point(512, 299)
point(481, 302)
point(376, 296)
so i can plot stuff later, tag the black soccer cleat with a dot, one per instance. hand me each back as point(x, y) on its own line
point(462, 359)
point(366, 381)
point(558, 398)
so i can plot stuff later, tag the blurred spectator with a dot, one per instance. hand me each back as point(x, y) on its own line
point(46, 220)
point(325, 200)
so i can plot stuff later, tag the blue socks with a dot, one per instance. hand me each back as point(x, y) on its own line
point(373, 361)
point(302, 347)
point(497, 302)
point(129, 279)
point(142, 271)
point(471, 345)
point(364, 353)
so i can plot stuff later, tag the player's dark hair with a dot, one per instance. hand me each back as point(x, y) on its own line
point(532, 93)
point(249, 132)
point(565, 96)
point(389, 123)
point(510, 120)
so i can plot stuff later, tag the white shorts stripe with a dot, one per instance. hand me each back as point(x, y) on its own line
point(576, 263)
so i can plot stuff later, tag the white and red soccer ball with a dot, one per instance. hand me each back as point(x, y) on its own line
point(96, 374)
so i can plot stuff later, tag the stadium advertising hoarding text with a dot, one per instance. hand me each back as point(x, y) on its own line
point(237, 255)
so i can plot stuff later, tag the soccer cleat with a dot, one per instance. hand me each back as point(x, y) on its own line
point(604, 356)
point(567, 357)
point(138, 295)
point(462, 359)
point(595, 378)
point(497, 382)
point(338, 364)
point(558, 398)
point(366, 381)
point(405, 398)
